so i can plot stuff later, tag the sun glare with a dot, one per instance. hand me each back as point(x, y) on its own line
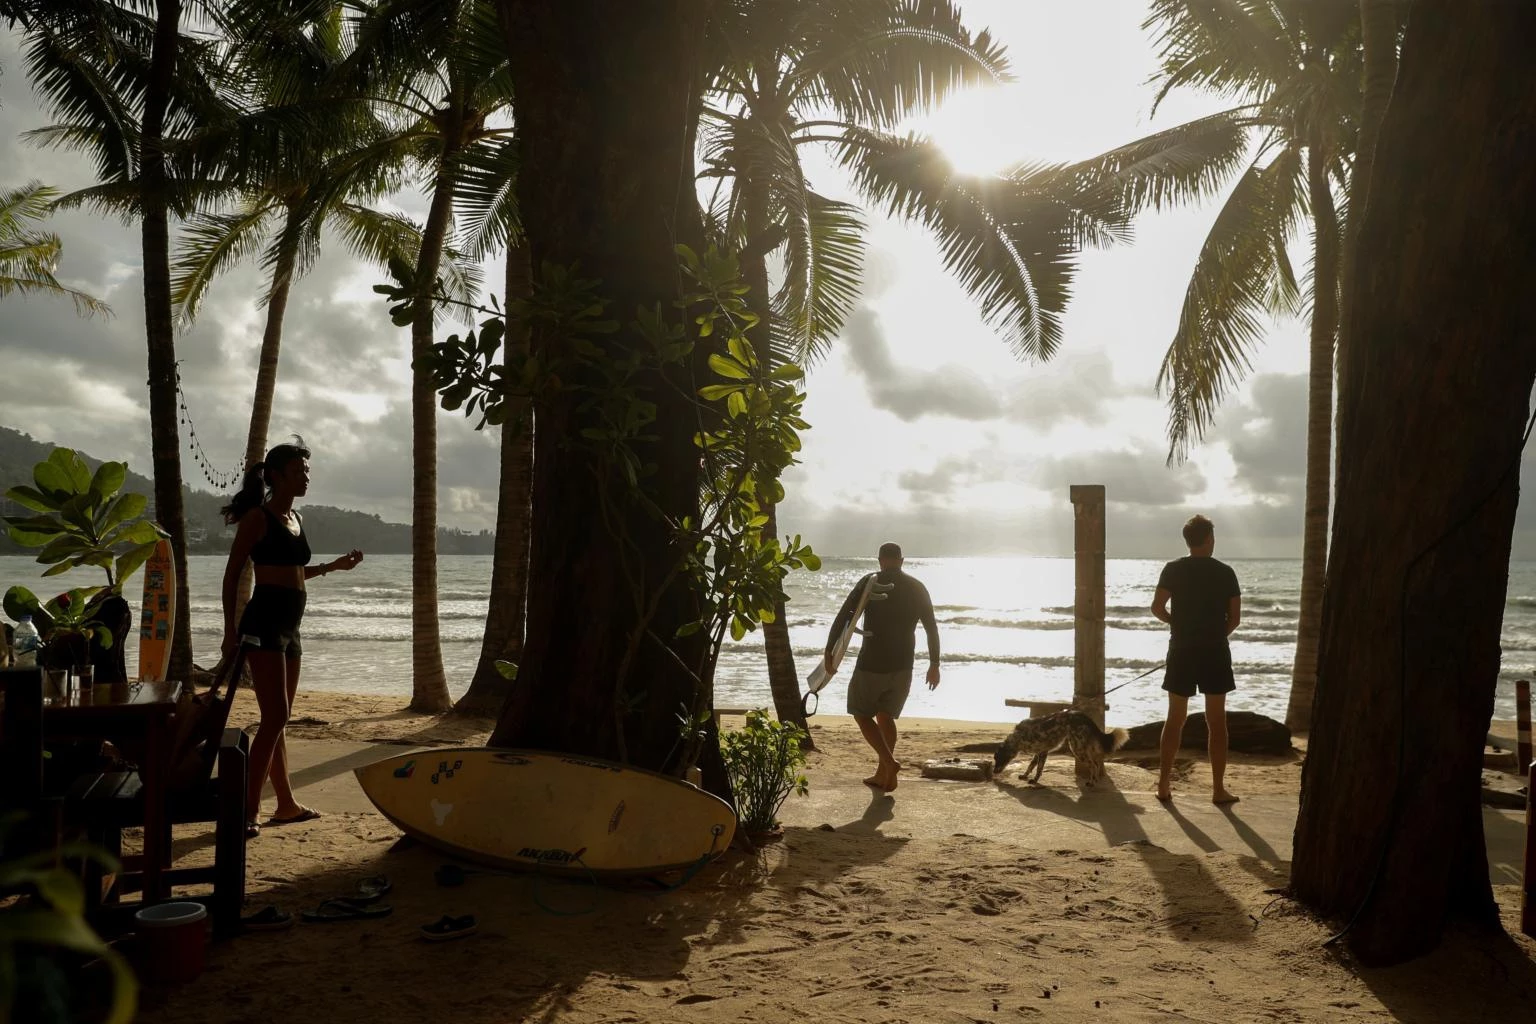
point(974, 131)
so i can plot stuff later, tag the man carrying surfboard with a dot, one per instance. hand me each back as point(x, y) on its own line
point(882, 676)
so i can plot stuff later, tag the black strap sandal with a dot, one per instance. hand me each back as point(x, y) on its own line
point(448, 927)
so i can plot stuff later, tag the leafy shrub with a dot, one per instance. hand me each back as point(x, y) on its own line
point(763, 760)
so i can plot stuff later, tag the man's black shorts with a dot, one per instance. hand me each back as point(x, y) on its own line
point(1207, 669)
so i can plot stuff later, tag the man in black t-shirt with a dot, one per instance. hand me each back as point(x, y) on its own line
point(1207, 606)
point(882, 677)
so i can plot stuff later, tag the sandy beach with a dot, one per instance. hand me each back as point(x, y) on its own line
point(944, 901)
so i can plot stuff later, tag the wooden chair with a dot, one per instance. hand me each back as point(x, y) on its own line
point(212, 763)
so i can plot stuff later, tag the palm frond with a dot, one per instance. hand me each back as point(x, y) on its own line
point(1237, 48)
point(1227, 302)
point(877, 63)
point(210, 244)
point(1187, 163)
point(1011, 242)
point(823, 269)
point(487, 196)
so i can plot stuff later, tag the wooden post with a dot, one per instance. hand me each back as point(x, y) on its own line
point(1522, 725)
point(1088, 599)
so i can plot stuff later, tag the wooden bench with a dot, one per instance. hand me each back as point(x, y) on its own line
point(1039, 708)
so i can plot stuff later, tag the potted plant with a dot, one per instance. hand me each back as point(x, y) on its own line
point(763, 760)
point(80, 519)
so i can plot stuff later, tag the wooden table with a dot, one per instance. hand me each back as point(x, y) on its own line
point(130, 713)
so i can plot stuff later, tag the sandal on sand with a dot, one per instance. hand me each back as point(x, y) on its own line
point(448, 927)
point(252, 830)
point(307, 814)
point(372, 888)
point(268, 919)
point(343, 908)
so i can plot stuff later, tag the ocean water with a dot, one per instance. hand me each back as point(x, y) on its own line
point(1005, 627)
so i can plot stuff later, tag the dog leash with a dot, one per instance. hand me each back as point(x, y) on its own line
point(1128, 682)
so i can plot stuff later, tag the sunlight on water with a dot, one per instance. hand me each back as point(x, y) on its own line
point(1005, 628)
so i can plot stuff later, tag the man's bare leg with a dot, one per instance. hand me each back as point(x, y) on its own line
point(888, 731)
point(875, 737)
point(1173, 733)
point(1216, 724)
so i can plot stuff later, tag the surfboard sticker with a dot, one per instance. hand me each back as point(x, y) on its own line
point(556, 812)
point(821, 675)
point(157, 613)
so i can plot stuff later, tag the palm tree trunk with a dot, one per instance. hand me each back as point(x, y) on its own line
point(1378, 32)
point(783, 678)
point(165, 441)
point(607, 99)
point(1390, 829)
point(1314, 533)
point(429, 686)
point(266, 389)
point(509, 567)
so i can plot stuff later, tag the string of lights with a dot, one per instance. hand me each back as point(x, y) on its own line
point(221, 480)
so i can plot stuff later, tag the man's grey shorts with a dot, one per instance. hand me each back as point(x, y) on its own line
point(870, 693)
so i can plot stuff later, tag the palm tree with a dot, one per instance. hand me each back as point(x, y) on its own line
point(128, 85)
point(1294, 70)
point(28, 257)
point(845, 74)
point(487, 207)
point(439, 72)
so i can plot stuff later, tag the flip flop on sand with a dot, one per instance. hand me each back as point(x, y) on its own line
point(268, 919)
point(252, 830)
point(307, 814)
point(448, 927)
point(343, 908)
point(371, 888)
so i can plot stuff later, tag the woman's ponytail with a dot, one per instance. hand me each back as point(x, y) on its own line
point(253, 490)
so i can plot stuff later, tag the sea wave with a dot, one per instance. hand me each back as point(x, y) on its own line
point(991, 623)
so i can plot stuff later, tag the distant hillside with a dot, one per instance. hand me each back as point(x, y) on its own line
point(329, 529)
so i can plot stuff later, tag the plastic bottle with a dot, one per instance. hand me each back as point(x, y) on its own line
point(27, 641)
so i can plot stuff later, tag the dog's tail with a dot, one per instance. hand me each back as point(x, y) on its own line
point(1113, 740)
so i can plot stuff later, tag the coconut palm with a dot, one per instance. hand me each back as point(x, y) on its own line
point(437, 71)
point(127, 85)
point(1294, 71)
point(793, 75)
point(28, 257)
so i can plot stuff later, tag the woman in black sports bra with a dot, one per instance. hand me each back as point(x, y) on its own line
point(271, 535)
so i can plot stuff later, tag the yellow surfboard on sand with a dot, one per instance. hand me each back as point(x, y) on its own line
point(157, 615)
point(545, 811)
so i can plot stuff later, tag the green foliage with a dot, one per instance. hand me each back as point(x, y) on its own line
point(763, 761)
point(81, 518)
point(748, 425)
point(54, 919)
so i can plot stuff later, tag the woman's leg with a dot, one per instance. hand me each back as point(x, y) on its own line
point(282, 785)
point(268, 678)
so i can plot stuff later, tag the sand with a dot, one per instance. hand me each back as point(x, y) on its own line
point(1023, 913)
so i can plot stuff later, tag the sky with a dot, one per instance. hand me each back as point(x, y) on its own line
point(926, 429)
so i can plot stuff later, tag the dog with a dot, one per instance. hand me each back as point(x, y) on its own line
point(1072, 729)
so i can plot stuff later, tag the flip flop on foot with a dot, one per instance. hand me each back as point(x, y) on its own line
point(875, 780)
point(448, 927)
point(268, 919)
point(343, 908)
point(1165, 797)
point(252, 830)
point(305, 814)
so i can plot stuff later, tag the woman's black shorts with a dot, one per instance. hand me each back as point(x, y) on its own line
point(1207, 669)
point(272, 616)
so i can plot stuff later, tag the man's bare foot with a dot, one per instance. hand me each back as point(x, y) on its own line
point(877, 780)
point(1164, 795)
point(1221, 796)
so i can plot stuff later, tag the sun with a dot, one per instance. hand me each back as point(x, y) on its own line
point(976, 132)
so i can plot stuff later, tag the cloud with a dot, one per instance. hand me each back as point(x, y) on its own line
point(1267, 436)
point(912, 394)
point(1137, 476)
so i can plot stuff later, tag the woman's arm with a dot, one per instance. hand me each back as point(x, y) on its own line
point(343, 563)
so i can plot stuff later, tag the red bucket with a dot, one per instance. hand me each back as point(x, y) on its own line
point(173, 942)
